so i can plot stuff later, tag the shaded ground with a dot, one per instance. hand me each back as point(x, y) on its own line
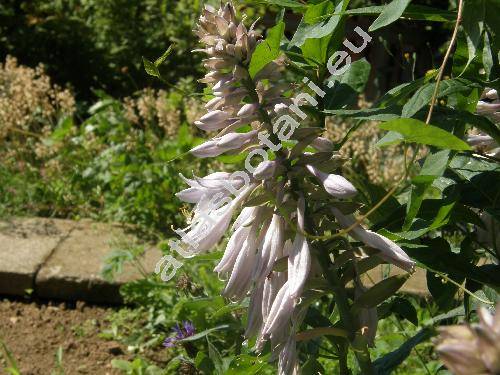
point(33, 333)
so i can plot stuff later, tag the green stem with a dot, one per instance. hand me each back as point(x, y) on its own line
point(356, 341)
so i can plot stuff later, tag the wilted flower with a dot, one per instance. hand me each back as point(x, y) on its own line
point(472, 349)
point(181, 332)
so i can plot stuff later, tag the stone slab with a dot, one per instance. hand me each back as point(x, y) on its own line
point(63, 259)
point(24, 245)
point(73, 271)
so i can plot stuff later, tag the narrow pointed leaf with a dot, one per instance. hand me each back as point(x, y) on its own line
point(390, 14)
point(419, 132)
point(380, 292)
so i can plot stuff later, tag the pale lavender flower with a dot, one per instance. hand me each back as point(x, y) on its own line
point(299, 260)
point(255, 319)
point(208, 186)
point(260, 236)
point(207, 228)
point(472, 349)
point(243, 230)
point(266, 170)
point(389, 251)
point(227, 142)
point(240, 279)
point(280, 312)
point(334, 185)
point(288, 361)
point(270, 248)
point(489, 105)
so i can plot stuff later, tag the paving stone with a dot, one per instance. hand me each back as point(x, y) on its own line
point(73, 271)
point(24, 245)
point(63, 259)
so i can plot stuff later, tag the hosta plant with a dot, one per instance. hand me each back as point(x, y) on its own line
point(303, 228)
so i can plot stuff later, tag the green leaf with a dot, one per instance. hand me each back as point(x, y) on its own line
point(314, 33)
point(437, 256)
point(468, 167)
point(247, 365)
point(392, 360)
point(404, 308)
point(294, 4)
point(347, 86)
point(391, 13)
point(417, 131)
point(454, 116)
point(312, 26)
point(204, 333)
point(228, 309)
point(268, 50)
point(434, 166)
point(488, 61)
point(413, 12)
point(390, 139)
point(62, 129)
point(121, 364)
point(423, 96)
point(150, 68)
point(160, 60)
point(473, 23)
point(312, 367)
point(414, 202)
point(375, 114)
point(203, 363)
point(216, 357)
point(380, 292)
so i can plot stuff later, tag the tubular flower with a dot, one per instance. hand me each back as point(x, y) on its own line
point(210, 185)
point(472, 349)
point(299, 260)
point(488, 106)
point(334, 185)
point(268, 257)
point(389, 251)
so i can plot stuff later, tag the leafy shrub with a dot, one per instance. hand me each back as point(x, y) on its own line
point(29, 102)
point(115, 166)
point(99, 44)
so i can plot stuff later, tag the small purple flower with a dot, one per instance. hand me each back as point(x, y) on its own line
point(186, 330)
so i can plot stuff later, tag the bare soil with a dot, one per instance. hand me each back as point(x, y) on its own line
point(33, 333)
